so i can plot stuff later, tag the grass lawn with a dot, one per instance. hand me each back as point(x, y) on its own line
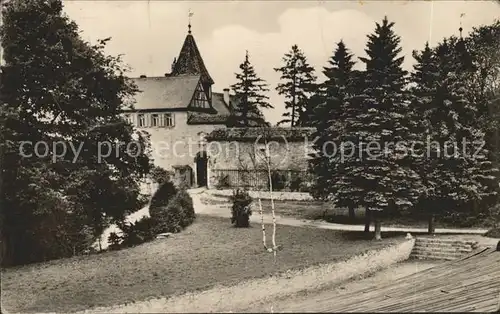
point(314, 210)
point(209, 252)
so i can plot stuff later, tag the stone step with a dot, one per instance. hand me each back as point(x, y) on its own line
point(441, 248)
point(434, 257)
point(440, 240)
point(215, 198)
point(420, 250)
point(444, 245)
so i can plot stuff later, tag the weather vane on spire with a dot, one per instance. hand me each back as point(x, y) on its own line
point(190, 14)
point(461, 29)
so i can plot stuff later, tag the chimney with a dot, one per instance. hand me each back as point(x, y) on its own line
point(226, 95)
point(142, 76)
point(173, 65)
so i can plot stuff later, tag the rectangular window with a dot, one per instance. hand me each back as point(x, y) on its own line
point(200, 99)
point(155, 120)
point(128, 118)
point(142, 121)
point(168, 120)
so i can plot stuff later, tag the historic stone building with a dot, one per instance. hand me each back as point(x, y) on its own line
point(178, 110)
point(242, 157)
point(187, 123)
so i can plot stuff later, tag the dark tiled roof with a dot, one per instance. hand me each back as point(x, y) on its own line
point(252, 133)
point(172, 92)
point(190, 61)
point(206, 118)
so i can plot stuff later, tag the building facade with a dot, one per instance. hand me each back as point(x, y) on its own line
point(178, 110)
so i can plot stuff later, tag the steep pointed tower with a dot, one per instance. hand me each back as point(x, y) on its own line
point(190, 62)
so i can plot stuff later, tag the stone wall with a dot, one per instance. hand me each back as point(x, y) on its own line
point(234, 155)
point(265, 195)
point(250, 156)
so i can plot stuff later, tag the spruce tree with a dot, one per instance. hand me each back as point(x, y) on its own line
point(62, 91)
point(456, 170)
point(297, 84)
point(483, 44)
point(425, 77)
point(377, 162)
point(250, 91)
point(329, 116)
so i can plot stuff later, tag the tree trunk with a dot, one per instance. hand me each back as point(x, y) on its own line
point(378, 233)
point(352, 214)
point(367, 220)
point(431, 227)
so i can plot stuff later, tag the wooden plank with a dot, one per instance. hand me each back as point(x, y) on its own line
point(469, 283)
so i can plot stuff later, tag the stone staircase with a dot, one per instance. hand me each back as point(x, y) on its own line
point(442, 248)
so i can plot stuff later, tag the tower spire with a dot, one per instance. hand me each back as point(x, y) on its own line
point(461, 29)
point(1, 47)
point(190, 14)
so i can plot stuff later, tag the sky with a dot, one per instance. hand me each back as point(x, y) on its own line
point(149, 34)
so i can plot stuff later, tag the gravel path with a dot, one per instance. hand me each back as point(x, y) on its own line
point(223, 211)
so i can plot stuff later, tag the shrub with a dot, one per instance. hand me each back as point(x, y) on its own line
point(305, 187)
point(222, 181)
point(278, 180)
point(162, 197)
point(241, 210)
point(167, 219)
point(141, 231)
point(184, 201)
point(296, 182)
point(114, 241)
point(494, 216)
point(177, 215)
point(493, 233)
point(160, 175)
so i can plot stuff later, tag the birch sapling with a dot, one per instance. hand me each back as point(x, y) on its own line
point(268, 165)
point(275, 247)
point(262, 222)
point(261, 212)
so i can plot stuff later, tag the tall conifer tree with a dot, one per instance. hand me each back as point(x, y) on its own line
point(329, 116)
point(250, 91)
point(297, 84)
point(455, 169)
point(377, 162)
